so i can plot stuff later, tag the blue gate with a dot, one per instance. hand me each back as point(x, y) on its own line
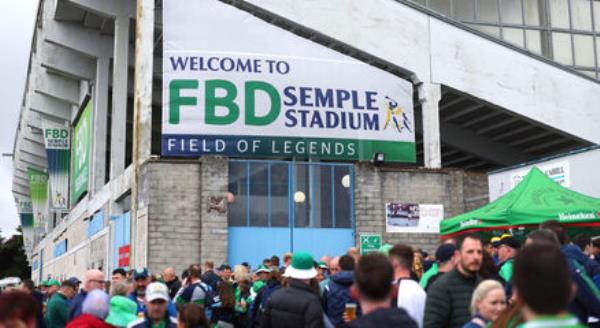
point(277, 207)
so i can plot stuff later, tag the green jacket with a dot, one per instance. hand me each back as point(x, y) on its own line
point(428, 274)
point(562, 321)
point(448, 301)
point(506, 270)
point(57, 311)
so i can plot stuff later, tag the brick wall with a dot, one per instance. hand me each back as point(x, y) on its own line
point(374, 187)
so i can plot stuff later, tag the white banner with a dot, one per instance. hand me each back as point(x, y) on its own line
point(413, 217)
point(238, 86)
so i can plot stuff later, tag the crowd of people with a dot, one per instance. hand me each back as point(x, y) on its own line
point(543, 281)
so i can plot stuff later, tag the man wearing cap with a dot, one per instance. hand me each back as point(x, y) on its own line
point(53, 286)
point(57, 309)
point(142, 279)
point(93, 279)
point(337, 293)
point(156, 314)
point(444, 257)
point(508, 248)
point(298, 305)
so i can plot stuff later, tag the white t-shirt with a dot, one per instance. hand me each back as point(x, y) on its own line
point(411, 297)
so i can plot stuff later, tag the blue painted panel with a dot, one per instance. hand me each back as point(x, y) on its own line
point(323, 241)
point(96, 224)
point(60, 248)
point(254, 244)
point(121, 231)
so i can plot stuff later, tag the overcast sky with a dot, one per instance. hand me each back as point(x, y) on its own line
point(16, 28)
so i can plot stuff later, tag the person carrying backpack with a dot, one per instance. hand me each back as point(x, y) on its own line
point(196, 292)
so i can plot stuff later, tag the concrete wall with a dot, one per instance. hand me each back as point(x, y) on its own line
point(375, 186)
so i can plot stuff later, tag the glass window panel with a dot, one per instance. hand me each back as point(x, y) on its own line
point(514, 36)
point(237, 187)
point(534, 41)
point(511, 11)
point(279, 195)
point(588, 73)
point(301, 197)
point(491, 30)
point(581, 15)
point(440, 6)
point(561, 47)
point(598, 51)
point(321, 196)
point(343, 199)
point(559, 13)
point(464, 10)
point(487, 11)
point(532, 12)
point(584, 50)
point(259, 204)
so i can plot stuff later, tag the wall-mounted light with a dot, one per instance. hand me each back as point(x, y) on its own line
point(299, 197)
point(230, 197)
point(346, 181)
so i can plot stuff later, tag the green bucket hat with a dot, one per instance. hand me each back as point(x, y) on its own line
point(302, 267)
point(43, 283)
point(123, 311)
point(53, 282)
point(385, 249)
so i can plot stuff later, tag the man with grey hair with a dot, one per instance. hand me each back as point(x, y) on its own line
point(93, 311)
point(93, 279)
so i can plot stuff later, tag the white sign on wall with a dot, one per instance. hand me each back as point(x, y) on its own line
point(413, 217)
point(238, 86)
point(559, 172)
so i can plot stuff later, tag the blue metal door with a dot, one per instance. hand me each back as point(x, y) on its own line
point(277, 207)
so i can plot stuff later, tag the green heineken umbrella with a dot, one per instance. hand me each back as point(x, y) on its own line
point(534, 200)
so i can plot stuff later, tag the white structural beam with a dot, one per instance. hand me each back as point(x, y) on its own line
point(58, 87)
point(66, 61)
point(33, 148)
point(50, 106)
point(119, 96)
point(112, 8)
point(33, 160)
point(430, 96)
point(100, 120)
point(71, 35)
point(20, 189)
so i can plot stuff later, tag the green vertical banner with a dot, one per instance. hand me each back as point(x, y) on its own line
point(80, 165)
point(38, 187)
point(57, 142)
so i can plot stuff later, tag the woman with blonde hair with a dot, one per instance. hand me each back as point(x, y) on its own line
point(487, 303)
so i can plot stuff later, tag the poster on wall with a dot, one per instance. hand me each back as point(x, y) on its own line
point(57, 143)
point(82, 142)
point(38, 187)
point(410, 217)
point(228, 89)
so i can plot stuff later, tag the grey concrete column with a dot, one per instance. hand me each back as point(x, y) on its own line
point(429, 96)
point(99, 124)
point(119, 96)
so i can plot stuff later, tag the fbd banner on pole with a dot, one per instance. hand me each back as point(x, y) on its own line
point(57, 142)
point(26, 215)
point(237, 86)
point(38, 187)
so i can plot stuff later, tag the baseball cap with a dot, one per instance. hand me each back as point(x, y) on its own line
point(495, 241)
point(74, 280)
point(511, 242)
point(141, 273)
point(157, 290)
point(263, 268)
point(53, 282)
point(323, 266)
point(444, 252)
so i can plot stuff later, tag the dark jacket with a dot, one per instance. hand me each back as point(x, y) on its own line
point(585, 303)
point(146, 322)
point(39, 300)
point(336, 295)
point(296, 306)
point(448, 301)
point(88, 321)
point(392, 317)
point(211, 278)
point(77, 303)
point(257, 307)
point(174, 286)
